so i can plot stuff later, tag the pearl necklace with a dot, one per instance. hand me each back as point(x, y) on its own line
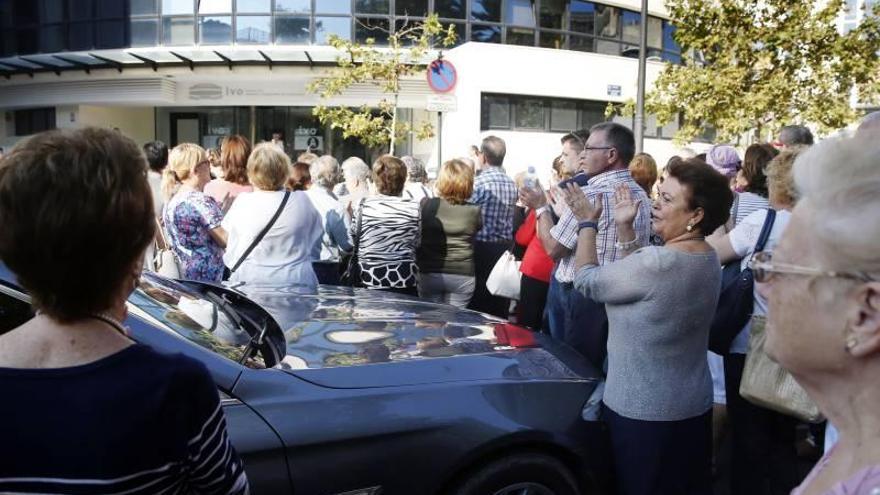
point(113, 322)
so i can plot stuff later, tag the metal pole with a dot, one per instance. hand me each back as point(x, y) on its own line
point(439, 140)
point(640, 95)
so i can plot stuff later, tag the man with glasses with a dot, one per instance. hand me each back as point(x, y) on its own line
point(605, 159)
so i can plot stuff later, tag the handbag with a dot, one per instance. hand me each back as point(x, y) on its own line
point(737, 299)
point(767, 384)
point(260, 235)
point(505, 278)
point(352, 274)
point(165, 261)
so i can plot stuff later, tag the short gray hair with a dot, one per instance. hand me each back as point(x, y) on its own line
point(838, 180)
point(415, 169)
point(795, 134)
point(355, 168)
point(325, 171)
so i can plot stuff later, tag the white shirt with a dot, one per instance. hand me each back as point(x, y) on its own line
point(743, 238)
point(335, 235)
point(283, 256)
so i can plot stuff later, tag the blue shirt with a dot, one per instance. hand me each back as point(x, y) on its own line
point(495, 193)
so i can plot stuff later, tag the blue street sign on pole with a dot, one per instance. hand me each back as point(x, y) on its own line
point(442, 76)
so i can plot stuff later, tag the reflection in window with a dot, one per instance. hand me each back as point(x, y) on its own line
point(325, 26)
point(580, 43)
point(109, 8)
point(520, 13)
point(669, 42)
point(592, 114)
point(553, 14)
point(485, 34)
point(552, 40)
point(607, 20)
point(377, 29)
point(253, 29)
point(255, 6)
point(76, 9)
point(655, 32)
point(51, 11)
point(292, 30)
point(632, 22)
point(496, 112)
point(215, 6)
point(142, 7)
point(293, 6)
point(372, 6)
point(144, 32)
point(486, 10)
point(582, 16)
point(411, 8)
point(520, 36)
point(529, 113)
point(332, 7)
point(215, 30)
point(563, 116)
point(453, 9)
point(608, 47)
point(177, 7)
point(460, 32)
point(111, 34)
point(52, 38)
point(178, 30)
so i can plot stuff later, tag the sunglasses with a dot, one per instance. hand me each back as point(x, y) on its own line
point(763, 268)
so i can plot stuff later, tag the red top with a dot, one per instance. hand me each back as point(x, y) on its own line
point(535, 262)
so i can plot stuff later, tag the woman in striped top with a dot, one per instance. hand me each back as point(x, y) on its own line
point(87, 409)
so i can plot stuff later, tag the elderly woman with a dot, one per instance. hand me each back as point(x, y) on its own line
point(449, 223)
point(190, 217)
point(282, 256)
point(763, 441)
point(644, 171)
point(334, 242)
point(416, 187)
point(660, 303)
point(95, 411)
point(386, 232)
point(234, 153)
point(355, 185)
point(822, 284)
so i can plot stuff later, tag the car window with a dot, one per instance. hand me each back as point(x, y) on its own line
point(13, 312)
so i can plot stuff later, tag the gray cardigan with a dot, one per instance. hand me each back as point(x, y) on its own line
point(660, 303)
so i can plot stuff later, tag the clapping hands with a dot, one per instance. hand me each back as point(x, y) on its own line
point(582, 208)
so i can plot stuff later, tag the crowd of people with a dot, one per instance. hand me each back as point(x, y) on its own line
point(620, 260)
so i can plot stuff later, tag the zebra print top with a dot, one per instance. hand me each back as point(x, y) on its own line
point(390, 229)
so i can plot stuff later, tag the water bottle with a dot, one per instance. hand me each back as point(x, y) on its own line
point(531, 180)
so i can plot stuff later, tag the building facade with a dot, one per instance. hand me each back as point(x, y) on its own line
point(196, 70)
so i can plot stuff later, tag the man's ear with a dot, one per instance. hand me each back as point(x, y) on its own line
point(864, 320)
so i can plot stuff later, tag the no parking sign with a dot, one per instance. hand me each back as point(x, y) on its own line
point(442, 76)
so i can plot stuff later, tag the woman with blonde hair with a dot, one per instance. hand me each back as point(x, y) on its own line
point(449, 223)
point(234, 153)
point(643, 169)
point(282, 256)
point(190, 217)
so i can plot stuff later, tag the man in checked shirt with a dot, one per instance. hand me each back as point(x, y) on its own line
point(605, 158)
point(495, 193)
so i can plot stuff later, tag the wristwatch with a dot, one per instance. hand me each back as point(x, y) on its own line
point(589, 224)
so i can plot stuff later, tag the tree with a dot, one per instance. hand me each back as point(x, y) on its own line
point(763, 64)
point(384, 67)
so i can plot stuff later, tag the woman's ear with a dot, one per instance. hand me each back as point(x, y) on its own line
point(863, 338)
point(698, 215)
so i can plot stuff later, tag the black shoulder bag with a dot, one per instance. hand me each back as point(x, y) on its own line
point(260, 235)
point(352, 275)
point(737, 299)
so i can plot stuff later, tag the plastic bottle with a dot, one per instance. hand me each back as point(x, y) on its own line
point(531, 180)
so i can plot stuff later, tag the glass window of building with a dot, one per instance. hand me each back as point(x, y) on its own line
point(372, 6)
point(520, 13)
point(411, 8)
point(670, 128)
point(110, 34)
point(177, 7)
point(655, 32)
point(669, 43)
point(109, 8)
point(143, 7)
point(80, 36)
point(553, 14)
point(27, 41)
point(529, 113)
point(178, 30)
point(293, 6)
point(215, 30)
point(563, 116)
point(582, 16)
point(592, 113)
point(333, 7)
point(495, 112)
point(580, 43)
point(549, 39)
point(607, 21)
point(325, 26)
point(485, 33)
point(215, 6)
point(608, 47)
point(369, 27)
point(632, 22)
point(52, 38)
point(77, 10)
point(51, 11)
point(253, 29)
point(452, 9)
point(292, 30)
point(460, 32)
point(520, 36)
point(253, 6)
point(144, 32)
point(486, 10)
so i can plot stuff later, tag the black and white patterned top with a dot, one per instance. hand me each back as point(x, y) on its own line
point(389, 236)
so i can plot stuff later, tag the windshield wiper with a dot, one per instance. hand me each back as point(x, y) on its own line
point(256, 340)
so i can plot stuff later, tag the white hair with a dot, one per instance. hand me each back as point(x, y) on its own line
point(870, 124)
point(839, 182)
point(354, 168)
point(325, 171)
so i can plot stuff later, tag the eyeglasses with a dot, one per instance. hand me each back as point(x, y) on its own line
point(763, 269)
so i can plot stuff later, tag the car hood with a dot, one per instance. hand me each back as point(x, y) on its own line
point(351, 338)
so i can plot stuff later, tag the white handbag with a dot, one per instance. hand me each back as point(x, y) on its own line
point(165, 262)
point(504, 281)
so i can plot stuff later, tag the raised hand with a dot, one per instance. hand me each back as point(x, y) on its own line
point(625, 208)
point(534, 198)
point(582, 208)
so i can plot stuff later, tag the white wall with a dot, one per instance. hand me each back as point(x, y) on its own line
point(138, 123)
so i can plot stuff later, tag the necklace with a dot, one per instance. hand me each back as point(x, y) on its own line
point(113, 322)
point(683, 239)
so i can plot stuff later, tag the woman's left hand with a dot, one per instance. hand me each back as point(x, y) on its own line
point(582, 208)
point(625, 208)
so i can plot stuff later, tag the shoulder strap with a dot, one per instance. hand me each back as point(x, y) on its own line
point(357, 237)
point(765, 230)
point(262, 233)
